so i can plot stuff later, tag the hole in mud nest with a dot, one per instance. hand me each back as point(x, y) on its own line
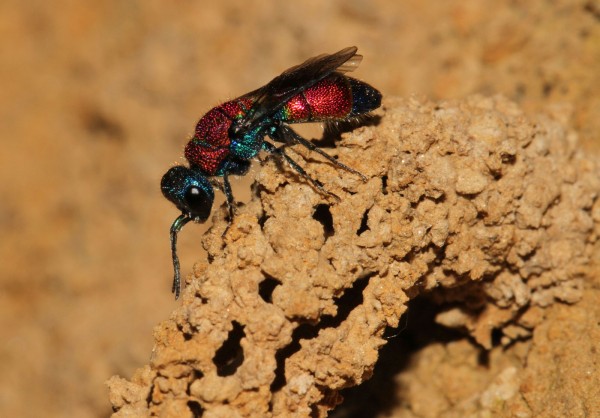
point(350, 299)
point(185, 332)
point(384, 181)
point(496, 337)
point(231, 355)
point(323, 215)
point(266, 288)
point(302, 332)
point(379, 395)
point(481, 215)
point(508, 159)
point(195, 409)
point(197, 375)
point(263, 220)
point(364, 223)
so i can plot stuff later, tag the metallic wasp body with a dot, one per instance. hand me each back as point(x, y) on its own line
point(230, 135)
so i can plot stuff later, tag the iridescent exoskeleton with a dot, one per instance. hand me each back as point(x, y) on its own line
point(230, 135)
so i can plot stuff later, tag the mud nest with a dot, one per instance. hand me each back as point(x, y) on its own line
point(490, 214)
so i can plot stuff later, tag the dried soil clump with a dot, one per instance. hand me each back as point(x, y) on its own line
point(485, 210)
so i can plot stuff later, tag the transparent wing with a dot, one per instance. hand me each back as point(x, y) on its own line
point(294, 80)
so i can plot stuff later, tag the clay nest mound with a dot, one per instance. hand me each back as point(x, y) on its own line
point(489, 214)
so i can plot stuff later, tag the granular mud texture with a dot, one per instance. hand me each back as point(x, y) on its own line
point(490, 214)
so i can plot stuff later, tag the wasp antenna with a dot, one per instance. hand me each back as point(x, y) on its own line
point(175, 228)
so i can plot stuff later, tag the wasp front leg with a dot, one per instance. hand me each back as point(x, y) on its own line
point(230, 202)
point(237, 168)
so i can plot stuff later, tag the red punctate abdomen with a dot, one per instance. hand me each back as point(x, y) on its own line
point(330, 98)
point(336, 97)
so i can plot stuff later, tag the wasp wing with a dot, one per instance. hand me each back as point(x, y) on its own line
point(294, 80)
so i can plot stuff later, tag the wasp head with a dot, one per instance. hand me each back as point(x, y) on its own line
point(190, 191)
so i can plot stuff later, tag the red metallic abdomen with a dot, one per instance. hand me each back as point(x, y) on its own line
point(330, 98)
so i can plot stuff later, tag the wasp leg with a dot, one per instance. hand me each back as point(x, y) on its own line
point(230, 201)
point(236, 168)
point(280, 151)
point(288, 136)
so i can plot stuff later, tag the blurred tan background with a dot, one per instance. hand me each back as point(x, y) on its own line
point(99, 98)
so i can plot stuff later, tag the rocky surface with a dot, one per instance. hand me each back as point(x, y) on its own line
point(99, 98)
point(458, 208)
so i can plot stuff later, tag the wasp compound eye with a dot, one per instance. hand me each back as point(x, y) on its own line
point(190, 191)
point(199, 202)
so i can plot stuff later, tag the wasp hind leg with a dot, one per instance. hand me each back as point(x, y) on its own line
point(288, 136)
point(280, 152)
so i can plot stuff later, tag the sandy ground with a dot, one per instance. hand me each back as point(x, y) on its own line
point(99, 98)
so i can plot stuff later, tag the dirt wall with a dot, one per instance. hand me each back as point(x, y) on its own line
point(99, 98)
